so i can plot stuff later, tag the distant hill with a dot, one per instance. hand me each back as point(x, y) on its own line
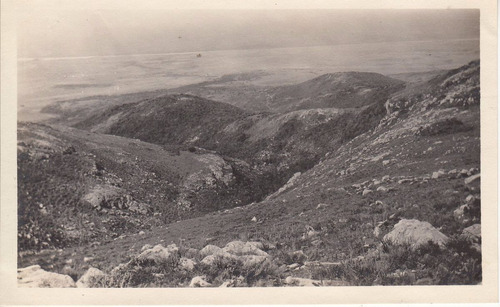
point(336, 90)
point(174, 119)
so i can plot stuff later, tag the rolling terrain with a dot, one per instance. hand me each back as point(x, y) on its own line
point(313, 190)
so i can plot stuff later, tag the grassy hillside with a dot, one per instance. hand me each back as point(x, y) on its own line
point(339, 90)
point(76, 187)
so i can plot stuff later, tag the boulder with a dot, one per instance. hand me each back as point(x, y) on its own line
point(472, 180)
point(366, 192)
point(210, 250)
point(211, 259)
point(199, 281)
point(415, 233)
point(187, 264)
point(472, 233)
point(102, 196)
point(438, 174)
point(158, 254)
point(35, 277)
point(245, 248)
point(92, 277)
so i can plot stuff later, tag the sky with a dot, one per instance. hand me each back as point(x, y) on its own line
point(73, 33)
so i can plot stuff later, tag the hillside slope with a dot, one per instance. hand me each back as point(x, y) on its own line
point(339, 90)
point(80, 186)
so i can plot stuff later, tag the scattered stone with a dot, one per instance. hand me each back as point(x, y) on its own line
point(310, 233)
point(88, 259)
point(385, 162)
point(321, 206)
point(141, 233)
point(415, 233)
point(464, 172)
point(406, 180)
point(470, 199)
point(254, 219)
point(452, 172)
point(382, 189)
point(210, 250)
point(199, 281)
point(187, 264)
point(472, 179)
point(386, 178)
point(438, 174)
point(293, 266)
point(91, 278)
point(459, 214)
point(35, 277)
point(366, 192)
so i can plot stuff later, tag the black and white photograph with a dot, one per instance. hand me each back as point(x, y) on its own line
point(237, 148)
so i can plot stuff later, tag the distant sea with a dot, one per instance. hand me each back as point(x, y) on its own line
point(42, 81)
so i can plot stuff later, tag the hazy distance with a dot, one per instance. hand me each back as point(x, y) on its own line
point(121, 32)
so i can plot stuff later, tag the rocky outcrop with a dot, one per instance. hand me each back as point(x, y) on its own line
point(35, 277)
point(214, 172)
point(415, 233)
point(108, 197)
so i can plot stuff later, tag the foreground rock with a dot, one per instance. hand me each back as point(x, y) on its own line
point(90, 279)
point(199, 281)
point(158, 254)
point(415, 233)
point(306, 282)
point(35, 277)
